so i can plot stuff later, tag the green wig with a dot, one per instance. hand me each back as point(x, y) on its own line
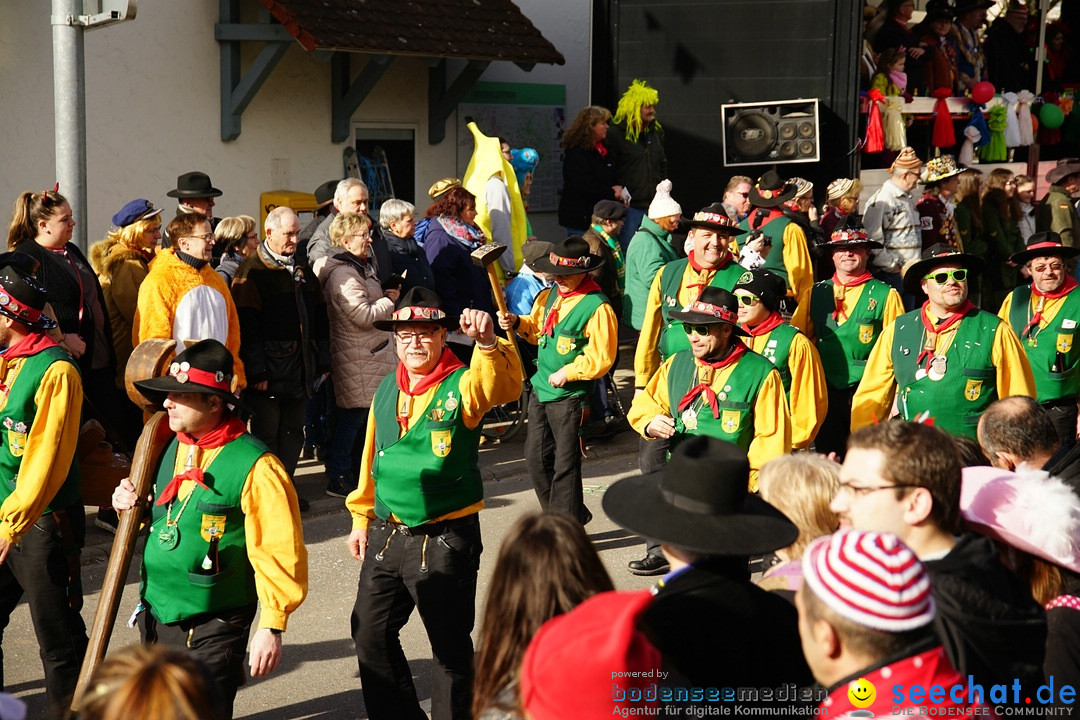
point(628, 112)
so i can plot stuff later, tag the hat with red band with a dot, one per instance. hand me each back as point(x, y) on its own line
point(772, 191)
point(713, 306)
point(205, 368)
point(1044, 244)
point(22, 297)
point(417, 306)
point(872, 579)
point(569, 256)
point(713, 217)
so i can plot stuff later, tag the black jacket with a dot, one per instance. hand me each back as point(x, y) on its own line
point(639, 166)
point(587, 179)
point(408, 259)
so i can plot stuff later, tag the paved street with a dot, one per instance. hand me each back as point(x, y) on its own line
point(318, 674)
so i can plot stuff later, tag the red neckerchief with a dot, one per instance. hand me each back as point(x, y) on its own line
point(840, 300)
point(448, 363)
point(766, 326)
point(932, 331)
point(223, 434)
point(764, 216)
point(600, 149)
point(1069, 285)
point(32, 344)
point(587, 286)
point(704, 270)
point(738, 349)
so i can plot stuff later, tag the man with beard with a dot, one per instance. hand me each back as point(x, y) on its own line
point(947, 360)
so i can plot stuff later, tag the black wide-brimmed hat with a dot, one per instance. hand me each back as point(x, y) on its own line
point(324, 194)
point(419, 305)
point(700, 502)
point(713, 306)
point(850, 233)
point(22, 297)
point(569, 256)
point(936, 256)
point(771, 191)
point(766, 286)
point(206, 367)
point(713, 217)
point(194, 185)
point(1044, 244)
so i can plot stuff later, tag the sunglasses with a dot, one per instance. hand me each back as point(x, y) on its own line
point(942, 277)
point(748, 300)
point(702, 330)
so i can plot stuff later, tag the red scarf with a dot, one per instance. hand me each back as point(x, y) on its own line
point(448, 363)
point(1069, 285)
point(32, 344)
point(932, 331)
point(600, 149)
point(587, 285)
point(766, 326)
point(840, 300)
point(738, 349)
point(223, 434)
point(701, 270)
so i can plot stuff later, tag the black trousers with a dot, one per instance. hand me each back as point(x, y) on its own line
point(432, 568)
point(279, 422)
point(836, 427)
point(218, 641)
point(652, 457)
point(39, 568)
point(553, 455)
point(1063, 415)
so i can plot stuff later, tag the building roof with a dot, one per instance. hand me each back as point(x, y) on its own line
point(468, 29)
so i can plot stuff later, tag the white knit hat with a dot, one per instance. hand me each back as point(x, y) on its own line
point(663, 205)
point(870, 578)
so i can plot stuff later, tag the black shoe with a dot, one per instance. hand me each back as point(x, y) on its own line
point(649, 565)
point(338, 486)
point(304, 504)
point(107, 520)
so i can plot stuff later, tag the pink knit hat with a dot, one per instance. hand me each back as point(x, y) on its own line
point(870, 578)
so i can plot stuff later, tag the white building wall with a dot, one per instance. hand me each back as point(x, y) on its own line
point(153, 107)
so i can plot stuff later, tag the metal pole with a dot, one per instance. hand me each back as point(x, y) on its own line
point(69, 99)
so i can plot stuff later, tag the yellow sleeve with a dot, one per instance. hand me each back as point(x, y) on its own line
point(651, 401)
point(50, 447)
point(647, 356)
point(361, 501)
point(772, 426)
point(1014, 375)
point(894, 308)
point(599, 355)
point(1006, 308)
point(809, 397)
point(797, 263)
point(874, 396)
point(494, 377)
point(529, 326)
point(275, 541)
point(801, 317)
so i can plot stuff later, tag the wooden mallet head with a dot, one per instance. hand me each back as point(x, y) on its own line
point(485, 255)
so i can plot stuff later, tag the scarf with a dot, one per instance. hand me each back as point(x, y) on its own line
point(840, 298)
point(765, 326)
point(468, 235)
point(932, 331)
point(724, 260)
point(1069, 285)
point(32, 344)
point(285, 261)
point(223, 434)
point(899, 79)
point(764, 216)
point(600, 149)
point(191, 260)
point(587, 286)
point(448, 363)
point(738, 349)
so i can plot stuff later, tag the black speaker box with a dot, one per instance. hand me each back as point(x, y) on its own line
point(782, 131)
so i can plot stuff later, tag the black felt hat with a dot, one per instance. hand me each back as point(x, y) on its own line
point(850, 233)
point(194, 185)
point(936, 256)
point(324, 194)
point(569, 256)
point(713, 306)
point(22, 297)
point(713, 217)
point(700, 502)
point(771, 191)
point(419, 305)
point(609, 210)
point(206, 367)
point(767, 286)
point(1044, 244)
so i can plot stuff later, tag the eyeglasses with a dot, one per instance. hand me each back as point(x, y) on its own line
point(1053, 267)
point(748, 300)
point(858, 492)
point(959, 275)
point(204, 237)
point(425, 336)
point(702, 330)
point(362, 236)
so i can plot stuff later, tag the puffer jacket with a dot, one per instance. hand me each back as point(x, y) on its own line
point(360, 355)
point(121, 270)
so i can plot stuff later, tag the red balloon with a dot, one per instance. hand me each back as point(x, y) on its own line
point(983, 92)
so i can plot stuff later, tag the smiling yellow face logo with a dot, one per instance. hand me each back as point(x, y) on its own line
point(861, 693)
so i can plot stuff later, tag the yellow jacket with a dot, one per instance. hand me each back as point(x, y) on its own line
point(602, 331)
point(809, 397)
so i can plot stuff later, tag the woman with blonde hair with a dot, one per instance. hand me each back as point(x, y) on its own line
point(1001, 222)
point(801, 486)
point(235, 237)
point(588, 171)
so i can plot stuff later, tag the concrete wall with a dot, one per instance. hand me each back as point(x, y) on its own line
point(153, 107)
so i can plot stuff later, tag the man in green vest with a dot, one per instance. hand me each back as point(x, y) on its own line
point(719, 387)
point(415, 514)
point(577, 334)
point(1044, 316)
point(225, 534)
point(946, 361)
point(41, 515)
point(1056, 212)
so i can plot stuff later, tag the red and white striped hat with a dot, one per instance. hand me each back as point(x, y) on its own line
point(870, 578)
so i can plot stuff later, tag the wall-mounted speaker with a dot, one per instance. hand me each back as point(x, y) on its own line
point(781, 131)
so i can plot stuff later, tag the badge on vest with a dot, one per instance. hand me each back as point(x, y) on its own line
point(16, 432)
point(729, 420)
point(565, 345)
point(212, 525)
point(440, 443)
point(973, 390)
point(866, 334)
point(1064, 343)
point(689, 418)
point(871, 304)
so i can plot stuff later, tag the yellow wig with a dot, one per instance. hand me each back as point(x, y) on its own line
point(487, 159)
point(628, 112)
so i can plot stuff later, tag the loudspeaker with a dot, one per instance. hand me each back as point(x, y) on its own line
point(782, 131)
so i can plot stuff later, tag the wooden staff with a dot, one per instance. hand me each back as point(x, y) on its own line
point(485, 257)
point(149, 360)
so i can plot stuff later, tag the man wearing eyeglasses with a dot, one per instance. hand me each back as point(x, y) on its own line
point(1044, 316)
point(415, 514)
point(946, 361)
point(891, 219)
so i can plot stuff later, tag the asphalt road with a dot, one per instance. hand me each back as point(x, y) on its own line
point(318, 674)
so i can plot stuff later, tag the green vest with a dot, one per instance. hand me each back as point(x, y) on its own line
point(568, 340)
point(173, 583)
point(774, 229)
point(778, 348)
point(970, 382)
point(1054, 357)
point(672, 337)
point(844, 348)
point(433, 469)
point(16, 418)
point(735, 401)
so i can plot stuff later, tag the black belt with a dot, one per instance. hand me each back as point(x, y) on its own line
point(433, 528)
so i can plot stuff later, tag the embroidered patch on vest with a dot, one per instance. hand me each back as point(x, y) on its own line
point(973, 390)
point(440, 443)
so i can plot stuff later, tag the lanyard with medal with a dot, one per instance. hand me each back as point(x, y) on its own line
point(169, 537)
